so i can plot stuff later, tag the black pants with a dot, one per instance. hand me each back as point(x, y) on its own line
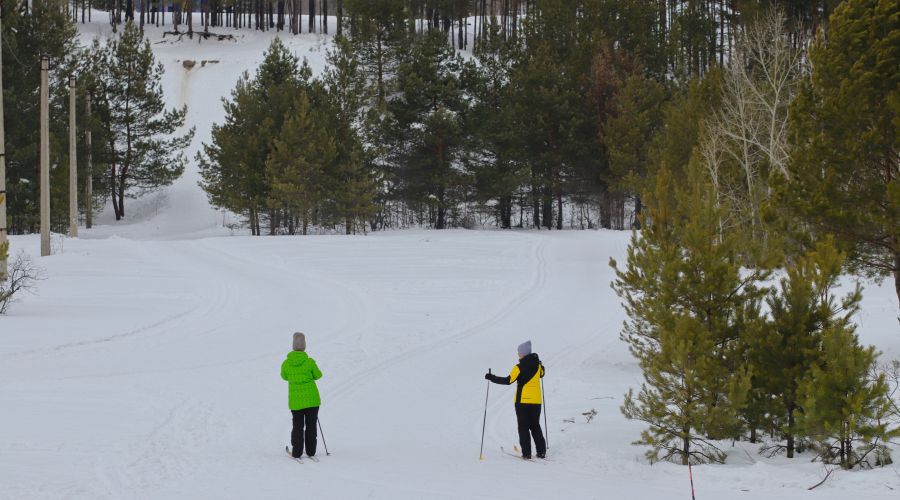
point(304, 418)
point(529, 417)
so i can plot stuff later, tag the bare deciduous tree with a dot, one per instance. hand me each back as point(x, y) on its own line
point(23, 276)
point(746, 140)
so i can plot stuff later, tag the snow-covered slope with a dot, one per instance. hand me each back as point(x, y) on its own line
point(149, 369)
point(181, 210)
point(148, 364)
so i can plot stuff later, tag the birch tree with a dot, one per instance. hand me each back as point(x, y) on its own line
point(746, 140)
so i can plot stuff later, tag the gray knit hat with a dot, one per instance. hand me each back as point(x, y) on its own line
point(299, 342)
point(524, 348)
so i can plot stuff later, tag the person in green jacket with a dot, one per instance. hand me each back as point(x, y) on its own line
point(301, 373)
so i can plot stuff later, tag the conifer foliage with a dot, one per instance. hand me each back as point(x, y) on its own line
point(289, 148)
point(142, 144)
point(689, 301)
point(846, 136)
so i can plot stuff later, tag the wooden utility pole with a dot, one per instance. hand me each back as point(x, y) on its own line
point(45, 159)
point(89, 182)
point(73, 164)
point(3, 240)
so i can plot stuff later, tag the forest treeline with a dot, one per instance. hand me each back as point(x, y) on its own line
point(536, 129)
point(539, 134)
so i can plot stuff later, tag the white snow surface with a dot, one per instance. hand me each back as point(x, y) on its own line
point(147, 366)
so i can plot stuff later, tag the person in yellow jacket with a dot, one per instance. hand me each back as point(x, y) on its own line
point(527, 375)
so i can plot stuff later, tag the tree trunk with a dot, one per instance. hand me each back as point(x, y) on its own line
point(638, 208)
point(340, 17)
point(89, 180)
point(121, 195)
point(897, 270)
point(112, 191)
point(441, 222)
point(559, 210)
point(790, 432)
point(547, 206)
point(506, 212)
point(843, 456)
point(606, 210)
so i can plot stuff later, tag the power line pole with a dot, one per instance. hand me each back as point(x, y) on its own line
point(73, 164)
point(3, 241)
point(89, 182)
point(45, 159)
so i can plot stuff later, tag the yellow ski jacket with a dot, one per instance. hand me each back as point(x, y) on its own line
point(527, 375)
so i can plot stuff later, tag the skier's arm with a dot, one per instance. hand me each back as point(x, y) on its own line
point(543, 371)
point(509, 379)
point(316, 372)
point(283, 372)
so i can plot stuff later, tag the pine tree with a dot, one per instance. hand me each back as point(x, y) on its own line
point(30, 30)
point(688, 300)
point(845, 173)
point(379, 34)
point(233, 165)
point(683, 119)
point(90, 67)
point(145, 153)
point(844, 404)
point(629, 132)
point(783, 353)
point(351, 184)
point(297, 166)
point(494, 158)
point(428, 137)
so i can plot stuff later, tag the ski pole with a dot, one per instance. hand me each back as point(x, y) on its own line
point(323, 436)
point(691, 474)
point(484, 423)
point(546, 427)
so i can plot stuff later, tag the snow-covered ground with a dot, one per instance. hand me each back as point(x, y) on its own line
point(148, 364)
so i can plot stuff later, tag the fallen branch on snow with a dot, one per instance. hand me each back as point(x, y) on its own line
point(202, 34)
point(823, 479)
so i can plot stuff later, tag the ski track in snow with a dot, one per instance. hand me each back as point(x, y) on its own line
point(148, 364)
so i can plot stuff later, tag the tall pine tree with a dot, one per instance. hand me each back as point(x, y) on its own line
point(144, 151)
point(688, 300)
point(782, 354)
point(845, 173)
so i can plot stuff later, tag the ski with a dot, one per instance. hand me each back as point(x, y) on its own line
point(519, 456)
point(314, 459)
point(287, 450)
point(545, 459)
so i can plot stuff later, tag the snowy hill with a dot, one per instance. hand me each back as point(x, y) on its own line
point(147, 365)
point(198, 73)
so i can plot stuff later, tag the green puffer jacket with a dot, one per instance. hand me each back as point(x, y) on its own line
point(301, 372)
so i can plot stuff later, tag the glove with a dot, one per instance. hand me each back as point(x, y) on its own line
point(488, 376)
